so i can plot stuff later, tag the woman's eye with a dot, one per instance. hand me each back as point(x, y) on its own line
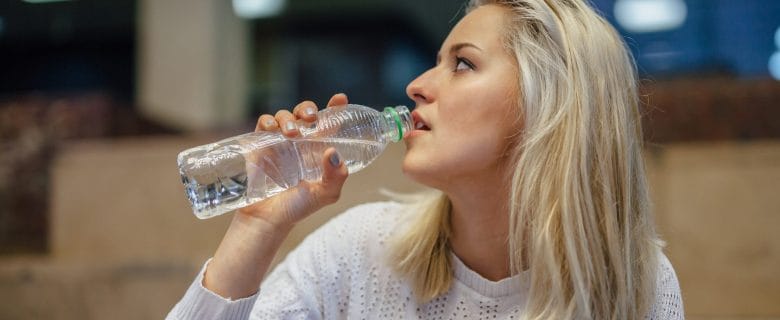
point(463, 64)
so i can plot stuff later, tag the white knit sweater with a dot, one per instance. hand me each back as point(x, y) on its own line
point(339, 272)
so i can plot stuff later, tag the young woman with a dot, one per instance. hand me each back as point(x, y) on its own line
point(528, 127)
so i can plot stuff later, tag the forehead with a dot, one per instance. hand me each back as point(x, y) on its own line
point(483, 27)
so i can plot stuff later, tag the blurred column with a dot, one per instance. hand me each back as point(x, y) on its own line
point(192, 63)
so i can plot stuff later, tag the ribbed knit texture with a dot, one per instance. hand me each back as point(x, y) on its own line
point(340, 272)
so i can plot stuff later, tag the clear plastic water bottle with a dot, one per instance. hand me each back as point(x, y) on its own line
point(236, 172)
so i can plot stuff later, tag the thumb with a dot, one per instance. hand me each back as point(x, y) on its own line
point(334, 174)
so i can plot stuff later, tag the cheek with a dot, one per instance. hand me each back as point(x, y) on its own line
point(477, 138)
point(455, 150)
point(474, 148)
point(488, 102)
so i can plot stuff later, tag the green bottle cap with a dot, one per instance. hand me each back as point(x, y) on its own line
point(398, 123)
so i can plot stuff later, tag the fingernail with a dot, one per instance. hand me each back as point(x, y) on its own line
point(310, 111)
point(270, 123)
point(290, 126)
point(335, 160)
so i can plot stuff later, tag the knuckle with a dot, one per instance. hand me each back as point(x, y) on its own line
point(328, 199)
point(301, 108)
point(326, 196)
point(282, 113)
point(333, 196)
point(265, 122)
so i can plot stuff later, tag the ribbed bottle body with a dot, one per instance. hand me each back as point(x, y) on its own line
point(238, 171)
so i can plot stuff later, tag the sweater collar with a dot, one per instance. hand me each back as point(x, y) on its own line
point(516, 284)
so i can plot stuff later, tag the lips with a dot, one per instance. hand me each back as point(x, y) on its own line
point(419, 122)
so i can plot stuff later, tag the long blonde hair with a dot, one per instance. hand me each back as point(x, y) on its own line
point(579, 210)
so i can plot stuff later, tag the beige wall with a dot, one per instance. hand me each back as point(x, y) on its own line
point(718, 206)
point(124, 244)
point(192, 63)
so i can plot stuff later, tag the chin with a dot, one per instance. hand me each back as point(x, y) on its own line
point(408, 168)
point(420, 171)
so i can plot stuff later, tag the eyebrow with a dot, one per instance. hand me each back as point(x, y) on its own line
point(462, 45)
point(456, 47)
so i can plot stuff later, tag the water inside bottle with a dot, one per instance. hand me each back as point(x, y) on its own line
point(226, 177)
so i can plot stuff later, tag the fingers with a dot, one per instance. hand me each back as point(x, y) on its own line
point(295, 204)
point(283, 120)
point(338, 99)
point(266, 122)
point(306, 110)
point(286, 121)
point(333, 176)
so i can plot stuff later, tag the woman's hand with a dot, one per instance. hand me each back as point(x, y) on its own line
point(287, 208)
point(257, 231)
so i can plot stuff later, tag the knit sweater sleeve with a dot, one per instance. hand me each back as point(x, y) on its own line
point(201, 303)
point(668, 299)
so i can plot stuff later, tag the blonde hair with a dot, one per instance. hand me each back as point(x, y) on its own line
point(579, 209)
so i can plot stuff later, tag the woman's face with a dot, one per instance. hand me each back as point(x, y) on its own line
point(466, 105)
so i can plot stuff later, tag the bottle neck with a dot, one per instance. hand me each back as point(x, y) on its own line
point(398, 123)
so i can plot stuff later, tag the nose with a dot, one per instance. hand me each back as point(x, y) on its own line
point(420, 89)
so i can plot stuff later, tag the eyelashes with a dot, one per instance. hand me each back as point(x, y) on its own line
point(463, 64)
point(460, 64)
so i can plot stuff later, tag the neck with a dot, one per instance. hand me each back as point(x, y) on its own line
point(480, 227)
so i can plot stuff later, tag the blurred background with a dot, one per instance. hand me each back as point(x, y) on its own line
point(98, 97)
